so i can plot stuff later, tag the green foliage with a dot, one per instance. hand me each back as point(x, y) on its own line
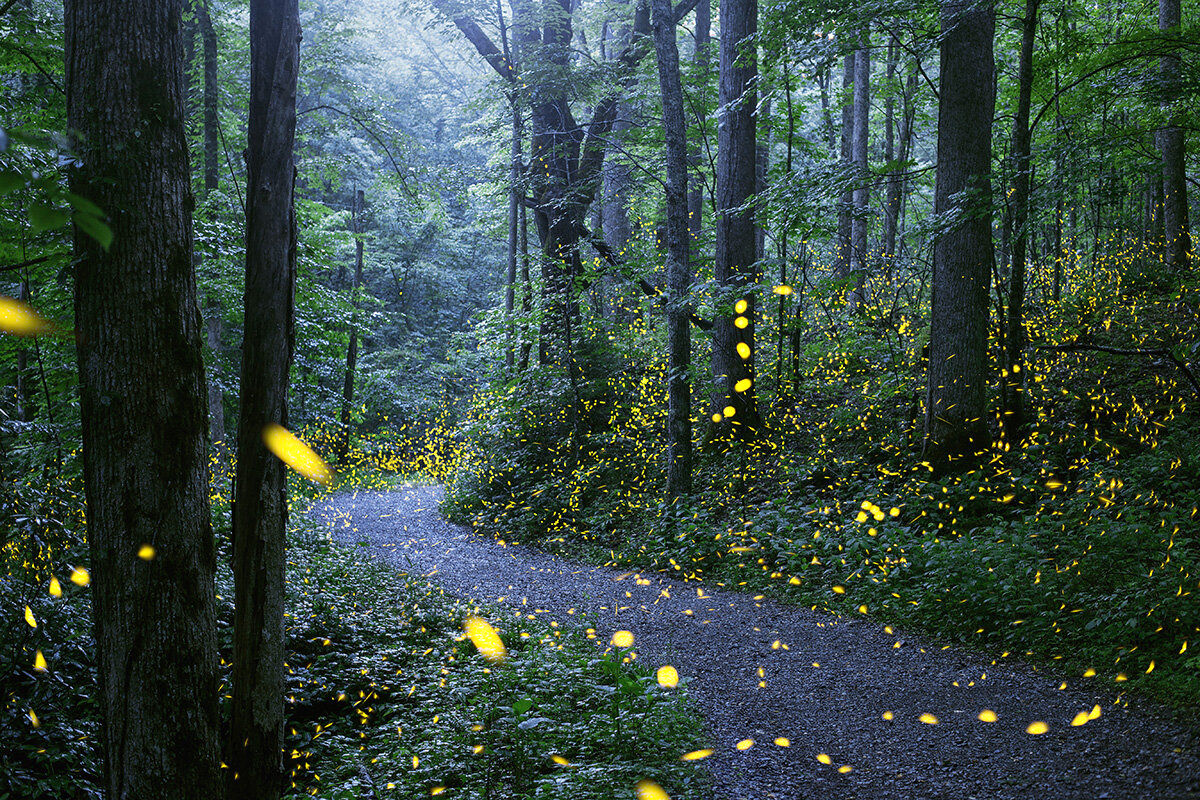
point(385, 690)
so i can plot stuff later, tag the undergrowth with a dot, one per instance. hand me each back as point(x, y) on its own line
point(385, 697)
point(1073, 544)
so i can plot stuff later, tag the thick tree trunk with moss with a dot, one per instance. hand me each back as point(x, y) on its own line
point(260, 502)
point(733, 405)
point(143, 403)
point(955, 422)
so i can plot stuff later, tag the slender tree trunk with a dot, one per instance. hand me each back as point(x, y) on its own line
point(26, 405)
point(1172, 143)
point(260, 506)
point(861, 221)
point(1014, 341)
point(733, 399)
point(702, 58)
point(514, 206)
point(526, 289)
point(907, 118)
point(842, 258)
point(356, 225)
point(823, 77)
point(892, 206)
point(955, 422)
point(781, 321)
point(679, 336)
point(762, 166)
point(213, 314)
point(208, 37)
point(143, 403)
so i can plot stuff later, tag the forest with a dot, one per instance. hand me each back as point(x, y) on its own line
point(599, 399)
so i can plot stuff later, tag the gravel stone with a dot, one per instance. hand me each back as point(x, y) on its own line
point(826, 684)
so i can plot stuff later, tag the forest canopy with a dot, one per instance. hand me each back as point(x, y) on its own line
point(880, 309)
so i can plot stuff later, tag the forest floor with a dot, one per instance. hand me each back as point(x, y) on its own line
point(814, 693)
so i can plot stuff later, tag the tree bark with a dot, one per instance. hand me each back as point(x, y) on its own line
point(213, 315)
point(208, 37)
point(861, 221)
point(1172, 144)
point(143, 403)
point(733, 366)
point(955, 422)
point(679, 335)
point(515, 191)
point(352, 350)
point(842, 256)
point(260, 507)
point(892, 207)
point(1014, 340)
point(702, 59)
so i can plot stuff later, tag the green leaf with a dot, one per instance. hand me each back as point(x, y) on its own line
point(43, 218)
point(84, 205)
point(11, 181)
point(95, 228)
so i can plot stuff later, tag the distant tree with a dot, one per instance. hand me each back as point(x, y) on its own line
point(955, 421)
point(356, 227)
point(1014, 338)
point(679, 333)
point(260, 501)
point(567, 157)
point(143, 403)
point(733, 396)
point(860, 223)
point(212, 310)
point(843, 248)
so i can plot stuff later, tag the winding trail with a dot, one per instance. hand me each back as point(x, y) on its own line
point(825, 686)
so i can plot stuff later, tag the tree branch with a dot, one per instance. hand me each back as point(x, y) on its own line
point(30, 262)
point(1099, 348)
point(475, 35)
point(370, 133)
point(647, 288)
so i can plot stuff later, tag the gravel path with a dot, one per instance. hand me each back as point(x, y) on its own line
point(824, 684)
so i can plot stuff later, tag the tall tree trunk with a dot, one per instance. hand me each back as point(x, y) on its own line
point(955, 422)
point(142, 403)
point(213, 315)
point(891, 219)
point(26, 405)
point(733, 399)
point(842, 257)
point(260, 506)
point(352, 350)
point(781, 320)
point(762, 166)
point(861, 222)
point(1172, 143)
point(702, 59)
point(1014, 341)
point(907, 119)
point(514, 208)
point(208, 37)
point(679, 335)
